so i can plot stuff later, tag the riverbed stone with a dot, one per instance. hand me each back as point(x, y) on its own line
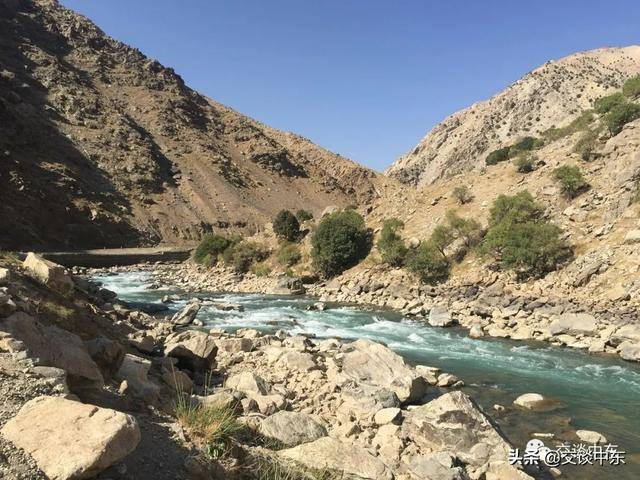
point(530, 401)
point(629, 351)
point(371, 363)
point(248, 383)
point(590, 436)
point(434, 466)
point(72, 440)
point(387, 415)
point(440, 317)
point(292, 428)
point(187, 315)
point(332, 454)
point(453, 422)
point(574, 324)
point(195, 350)
point(135, 371)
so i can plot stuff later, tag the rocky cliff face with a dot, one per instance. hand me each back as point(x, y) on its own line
point(551, 95)
point(102, 146)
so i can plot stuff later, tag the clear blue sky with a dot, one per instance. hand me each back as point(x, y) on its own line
point(364, 78)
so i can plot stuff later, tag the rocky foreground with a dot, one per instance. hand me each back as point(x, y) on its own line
point(93, 389)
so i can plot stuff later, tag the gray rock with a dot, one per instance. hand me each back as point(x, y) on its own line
point(187, 315)
point(440, 317)
point(574, 324)
point(292, 428)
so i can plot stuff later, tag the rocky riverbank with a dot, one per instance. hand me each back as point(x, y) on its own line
point(490, 306)
point(94, 389)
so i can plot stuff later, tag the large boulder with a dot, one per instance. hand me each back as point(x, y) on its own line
point(72, 440)
point(329, 453)
point(51, 274)
point(108, 354)
point(248, 383)
point(50, 346)
point(440, 317)
point(434, 466)
point(453, 422)
point(288, 286)
point(292, 428)
point(531, 401)
point(135, 371)
point(574, 324)
point(625, 333)
point(187, 315)
point(370, 363)
point(195, 350)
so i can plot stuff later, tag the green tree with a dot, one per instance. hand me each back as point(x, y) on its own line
point(519, 237)
point(339, 242)
point(620, 115)
point(526, 144)
point(571, 180)
point(209, 248)
point(286, 226)
point(604, 104)
point(428, 263)
point(631, 87)
point(467, 229)
point(462, 194)
point(497, 156)
point(390, 245)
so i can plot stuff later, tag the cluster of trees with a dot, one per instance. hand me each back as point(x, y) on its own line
point(518, 238)
point(526, 144)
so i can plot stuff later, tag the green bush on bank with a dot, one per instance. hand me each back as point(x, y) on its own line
point(390, 245)
point(428, 263)
point(571, 180)
point(286, 226)
point(209, 248)
point(520, 239)
point(241, 256)
point(339, 242)
point(288, 255)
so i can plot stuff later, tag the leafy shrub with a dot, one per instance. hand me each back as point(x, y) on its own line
point(428, 263)
point(288, 255)
point(467, 229)
point(462, 194)
point(521, 239)
point(286, 225)
point(260, 269)
point(524, 163)
point(571, 180)
point(580, 123)
point(620, 115)
point(441, 237)
point(604, 104)
point(339, 242)
point(304, 215)
point(209, 248)
point(586, 145)
point(497, 156)
point(526, 144)
point(631, 87)
point(390, 245)
point(243, 255)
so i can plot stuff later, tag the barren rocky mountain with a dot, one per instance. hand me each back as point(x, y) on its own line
point(102, 146)
point(549, 96)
